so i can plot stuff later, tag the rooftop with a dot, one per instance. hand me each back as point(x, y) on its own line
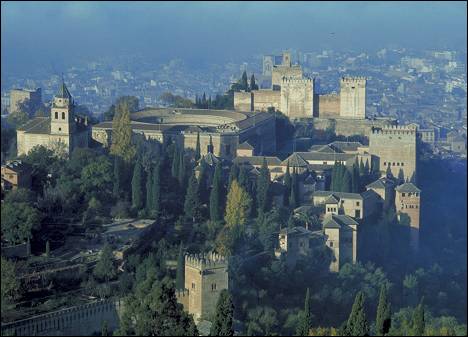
point(408, 188)
point(338, 221)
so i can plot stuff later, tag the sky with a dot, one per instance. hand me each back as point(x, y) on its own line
point(38, 34)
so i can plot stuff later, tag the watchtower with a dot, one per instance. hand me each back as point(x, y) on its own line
point(353, 97)
point(61, 114)
point(297, 96)
point(205, 277)
point(408, 201)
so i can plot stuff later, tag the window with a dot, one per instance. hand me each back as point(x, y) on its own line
point(402, 164)
point(403, 194)
point(193, 285)
point(60, 129)
point(357, 203)
point(213, 287)
point(331, 243)
point(357, 213)
point(56, 115)
point(63, 115)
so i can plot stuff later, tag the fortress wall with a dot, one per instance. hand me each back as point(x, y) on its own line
point(284, 71)
point(350, 127)
point(243, 101)
point(328, 106)
point(263, 99)
point(81, 320)
point(297, 98)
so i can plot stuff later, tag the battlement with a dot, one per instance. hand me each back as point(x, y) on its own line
point(291, 80)
point(353, 80)
point(182, 293)
point(205, 261)
point(395, 129)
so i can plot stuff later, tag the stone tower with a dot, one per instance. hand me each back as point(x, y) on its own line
point(286, 59)
point(408, 201)
point(297, 96)
point(268, 63)
point(353, 97)
point(61, 114)
point(395, 146)
point(205, 277)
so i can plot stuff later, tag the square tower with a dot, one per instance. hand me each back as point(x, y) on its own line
point(408, 201)
point(297, 95)
point(61, 114)
point(205, 277)
point(353, 97)
point(286, 59)
point(268, 64)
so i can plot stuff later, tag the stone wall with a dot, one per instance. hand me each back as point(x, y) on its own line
point(350, 127)
point(353, 97)
point(82, 320)
point(243, 101)
point(263, 99)
point(327, 106)
point(284, 71)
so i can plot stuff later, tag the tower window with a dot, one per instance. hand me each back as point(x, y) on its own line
point(60, 129)
point(63, 115)
point(56, 115)
point(193, 285)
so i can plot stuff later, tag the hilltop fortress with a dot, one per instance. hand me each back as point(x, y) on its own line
point(293, 93)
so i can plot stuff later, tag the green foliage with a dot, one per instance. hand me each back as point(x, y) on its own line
point(192, 205)
point(198, 148)
point(180, 274)
point(237, 208)
point(357, 324)
point(176, 101)
point(233, 174)
point(418, 320)
point(224, 316)
point(10, 286)
point(137, 186)
point(263, 189)
point(118, 177)
point(216, 195)
point(105, 269)
point(304, 324)
point(156, 191)
point(19, 220)
point(244, 82)
point(253, 85)
point(96, 178)
point(122, 133)
point(384, 316)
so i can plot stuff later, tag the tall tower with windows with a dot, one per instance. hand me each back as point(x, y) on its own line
point(408, 202)
point(61, 113)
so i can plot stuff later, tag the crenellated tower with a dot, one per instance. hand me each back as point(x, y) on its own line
point(297, 96)
point(353, 97)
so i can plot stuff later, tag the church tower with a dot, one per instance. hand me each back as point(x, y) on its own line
point(61, 114)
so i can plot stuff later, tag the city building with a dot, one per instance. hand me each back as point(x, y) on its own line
point(61, 132)
point(16, 174)
point(18, 96)
point(408, 201)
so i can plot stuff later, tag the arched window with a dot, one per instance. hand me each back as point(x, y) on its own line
point(56, 115)
point(63, 115)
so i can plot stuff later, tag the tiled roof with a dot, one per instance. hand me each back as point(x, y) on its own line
point(295, 160)
point(257, 160)
point(407, 187)
point(40, 125)
point(331, 200)
point(341, 195)
point(245, 146)
point(380, 183)
point(337, 221)
point(63, 92)
point(309, 156)
point(346, 146)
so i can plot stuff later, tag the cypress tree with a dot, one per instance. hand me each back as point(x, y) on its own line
point(233, 174)
point(180, 273)
point(175, 162)
point(287, 185)
point(202, 182)
point(355, 181)
point(362, 170)
point(389, 171)
point(366, 168)
point(204, 101)
point(149, 190)
point(137, 186)
point(418, 320)
point(293, 198)
point(253, 85)
point(244, 82)
point(117, 177)
point(192, 204)
point(181, 173)
point(122, 134)
point(304, 323)
point(357, 324)
point(384, 316)
point(401, 176)
point(263, 188)
point(334, 177)
point(211, 147)
point(156, 195)
point(244, 179)
point(216, 212)
point(198, 148)
point(346, 184)
point(222, 323)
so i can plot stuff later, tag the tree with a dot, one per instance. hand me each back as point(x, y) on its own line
point(287, 185)
point(122, 134)
point(389, 171)
point(357, 324)
point(222, 322)
point(263, 188)
point(137, 186)
point(367, 168)
point(418, 323)
point(362, 170)
point(346, 185)
point(198, 148)
point(47, 248)
point(105, 329)
point(210, 146)
point(384, 316)
point(192, 205)
point(9, 284)
point(294, 196)
point(233, 174)
point(149, 190)
point(237, 208)
point(355, 179)
point(401, 176)
point(181, 173)
point(216, 208)
point(105, 269)
point(244, 178)
point(18, 221)
point(180, 273)
point(305, 320)
point(117, 181)
point(253, 85)
point(244, 82)
point(156, 194)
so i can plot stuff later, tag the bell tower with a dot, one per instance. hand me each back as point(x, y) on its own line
point(61, 113)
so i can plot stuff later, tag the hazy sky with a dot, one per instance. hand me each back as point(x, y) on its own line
point(44, 33)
